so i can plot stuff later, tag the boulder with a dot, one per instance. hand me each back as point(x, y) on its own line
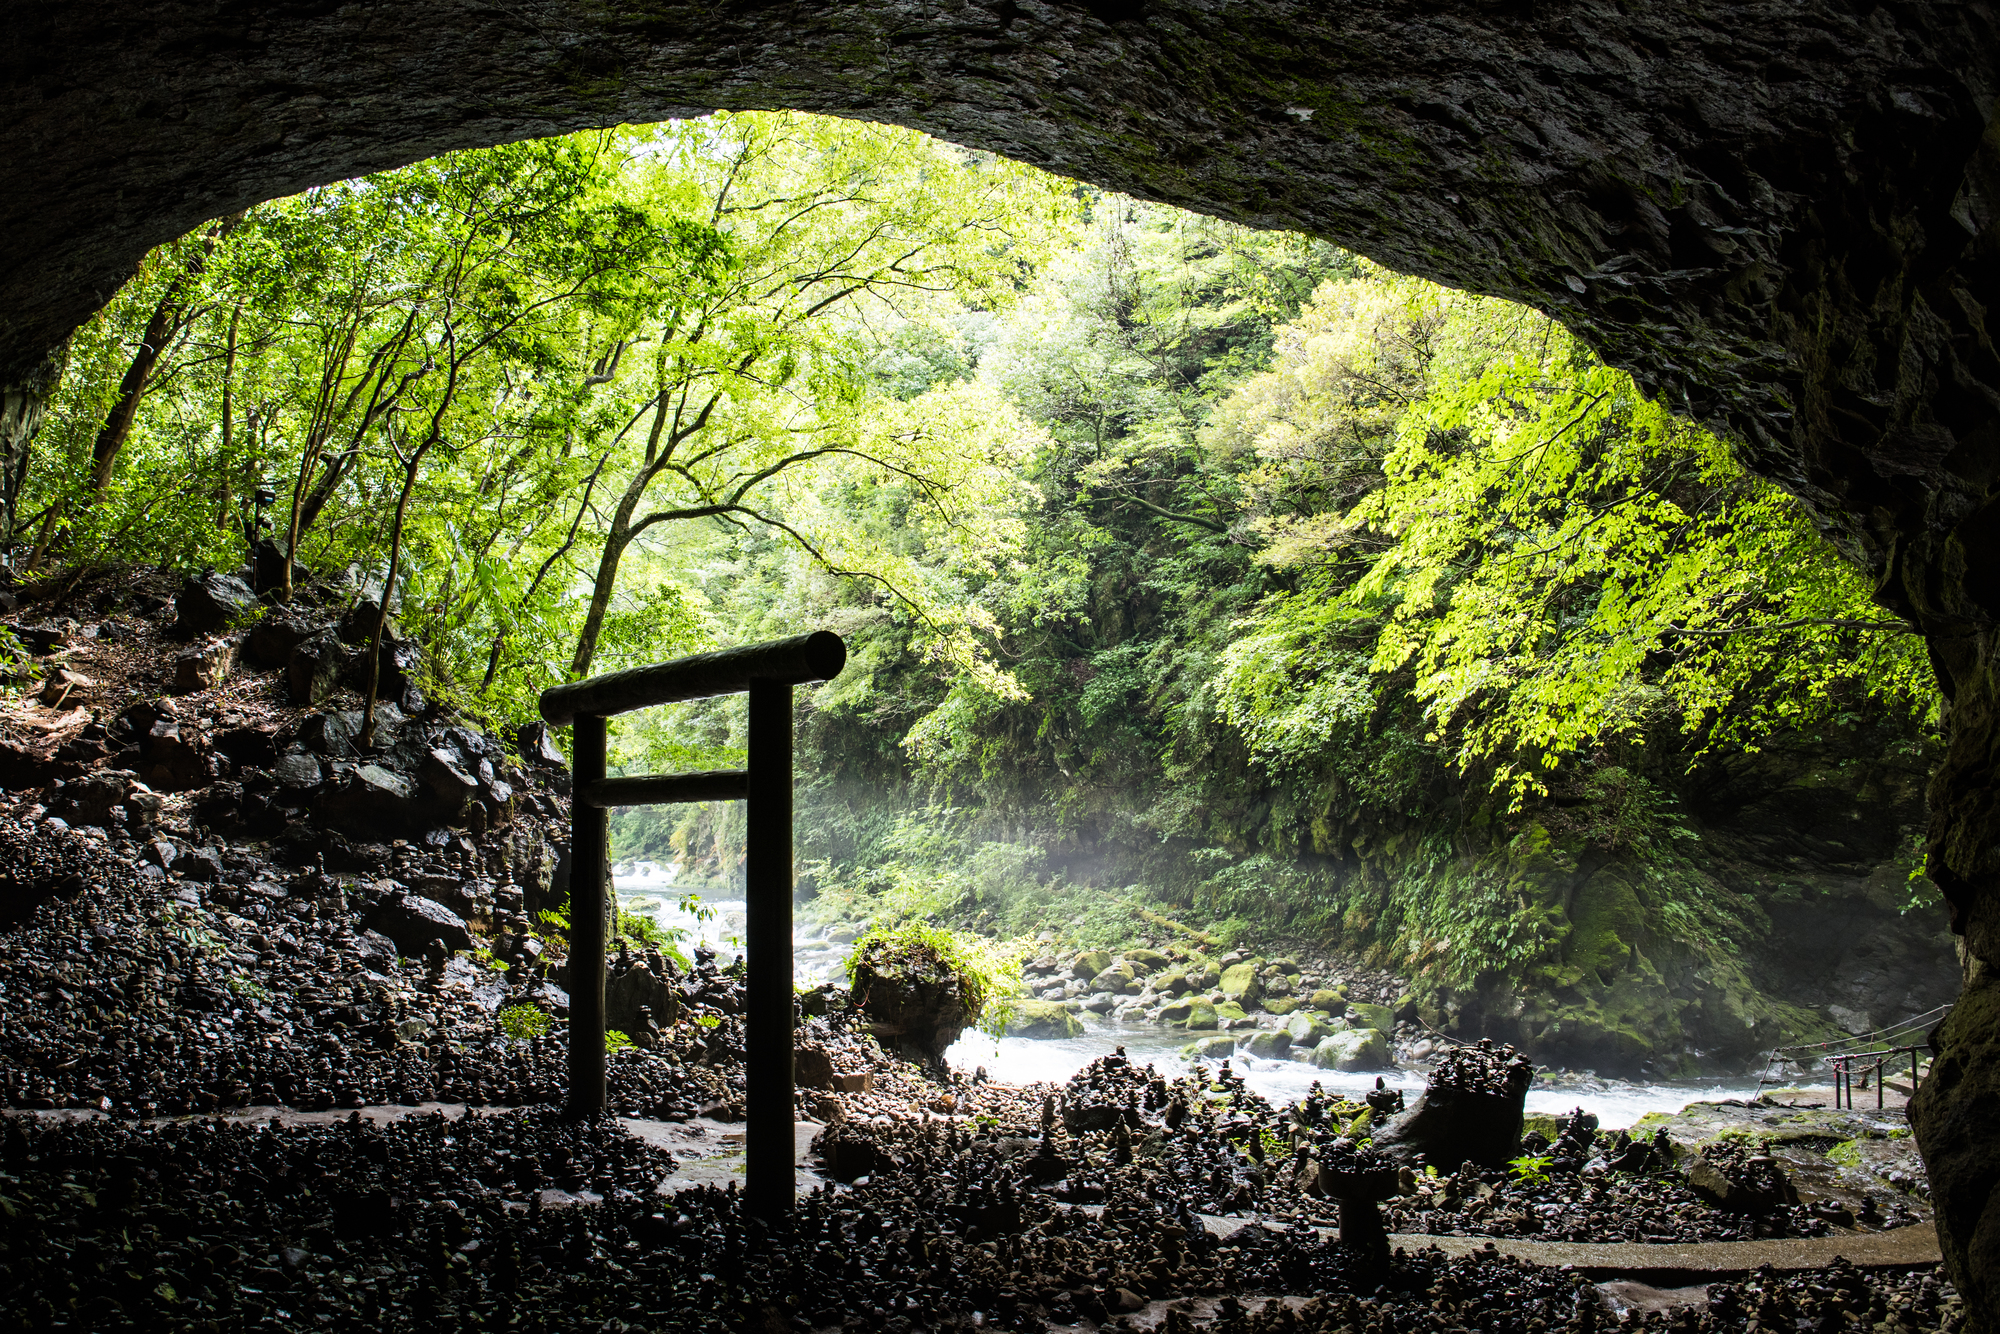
point(250, 747)
point(812, 1068)
point(357, 623)
point(1229, 1010)
point(1279, 1005)
point(637, 986)
point(1173, 984)
point(64, 688)
point(1042, 1019)
point(915, 1002)
point(1240, 982)
point(1362, 1015)
point(1355, 1049)
point(1470, 1112)
point(313, 669)
point(1270, 1043)
point(90, 799)
point(444, 776)
point(1146, 961)
point(1218, 1048)
point(1176, 1012)
point(328, 734)
point(272, 639)
point(209, 602)
point(1308, 1030)
point(1758, 1187)
point(1201, 1016)
point(204, 668)
point(297, 770)
point(168, 761)
point(412, 922)
point(538, 748)
point(1328, 1002)
point(1089, 964)
point(368, 799)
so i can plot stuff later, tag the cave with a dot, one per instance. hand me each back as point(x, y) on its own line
point(1779, 216)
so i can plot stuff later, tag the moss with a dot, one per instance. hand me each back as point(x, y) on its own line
point(1607, 922)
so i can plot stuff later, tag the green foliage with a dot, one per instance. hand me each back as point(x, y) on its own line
point(615, 1042)
point(248, 988)
point(523, 1021)
point(1532, 1171)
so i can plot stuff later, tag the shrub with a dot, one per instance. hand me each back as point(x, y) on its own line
point(523, 1021)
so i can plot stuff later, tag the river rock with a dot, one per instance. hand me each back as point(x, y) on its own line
point(1328, 1002)
point(1362, 1015)
point(1308, 1030)
point(1279, 1005)
point(1146, 961)
point(1270, 1043)
point(1089, 964)
point(1355, 1049)
point(1240, 982)
point(1042, 1019)
point(1201, 1015)
point(1217, 1048)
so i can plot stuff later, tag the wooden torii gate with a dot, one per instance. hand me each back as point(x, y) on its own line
point(767, 672)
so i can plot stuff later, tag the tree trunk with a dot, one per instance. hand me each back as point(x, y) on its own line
point(22, 407)
point(169, 318)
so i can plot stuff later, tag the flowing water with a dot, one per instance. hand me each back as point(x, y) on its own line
point(647, 887)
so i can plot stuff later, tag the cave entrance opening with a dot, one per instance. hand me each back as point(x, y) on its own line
point(766, 673)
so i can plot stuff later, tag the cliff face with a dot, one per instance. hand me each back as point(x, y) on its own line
point(1785, 917)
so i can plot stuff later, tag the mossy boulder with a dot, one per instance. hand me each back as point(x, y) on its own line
point(1218, 1048)
point(1362, 1015)
point(1240, 982)
point(1176, 1012)
point(1201, 1015)
point(1089, 964)
point(1328, 1002)
point(914, 997)
point(1174, 984)
point(1356, 1049)
point(1308, 1030)
point(1270, 1043)
point(1280, 1005)
point(1042, 1019)
point(1147, 961)
point(1119, 978)
point(1230, 1010)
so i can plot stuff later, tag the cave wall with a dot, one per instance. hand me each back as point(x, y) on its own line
point(1778, 215)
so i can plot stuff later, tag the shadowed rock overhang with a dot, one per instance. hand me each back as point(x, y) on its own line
point(1778, 215)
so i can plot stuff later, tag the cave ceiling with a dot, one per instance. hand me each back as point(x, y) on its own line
point(1776, 214)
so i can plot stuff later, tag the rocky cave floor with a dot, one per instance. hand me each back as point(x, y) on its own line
point(204, 921)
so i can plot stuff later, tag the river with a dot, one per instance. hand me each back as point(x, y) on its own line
point(647, 887)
